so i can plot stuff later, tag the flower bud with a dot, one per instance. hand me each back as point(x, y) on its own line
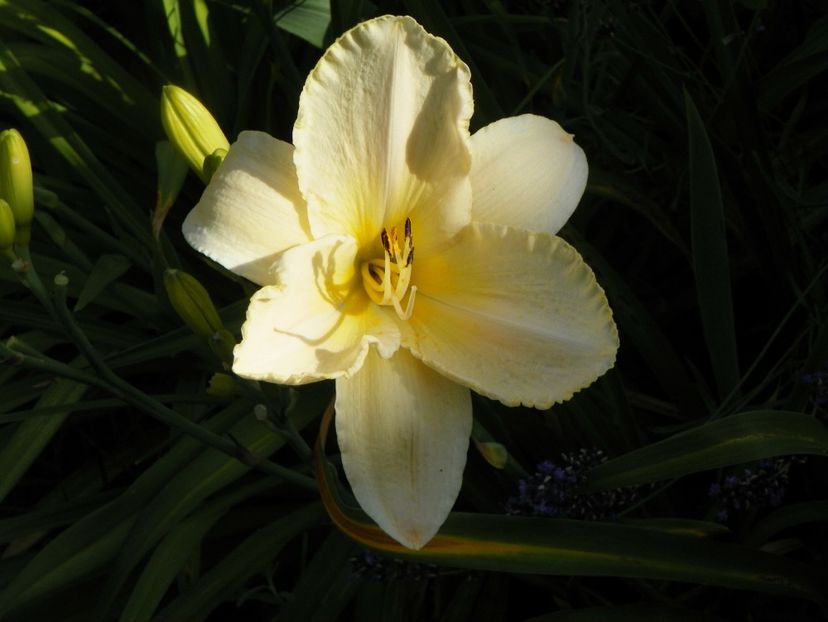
point(16, 182)
point(190, 128)
point(6, 229)
point(221, 385)
point(192, 303)
point(493, 453)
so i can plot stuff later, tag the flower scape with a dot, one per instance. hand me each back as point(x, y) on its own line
point(409, 260)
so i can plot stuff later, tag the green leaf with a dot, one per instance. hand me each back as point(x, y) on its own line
point(118, 88)
point(43, 520)
point(31, 436)
point(734, 440)
point(106, 270)
point(33, 104)
point(171, 555)
point(96, 539)
point(228, 575)
point(307, 19)
point(798, 68)
point(582, 548)
point(679, 526)
point(710, 259)
point(211, 472)
point(327, 584)
point(787, 517)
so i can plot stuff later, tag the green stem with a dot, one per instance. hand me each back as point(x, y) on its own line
point(274, 418)
point(28, 276)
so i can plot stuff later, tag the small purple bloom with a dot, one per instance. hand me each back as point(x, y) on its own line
point(759, 486)
point(552, 490)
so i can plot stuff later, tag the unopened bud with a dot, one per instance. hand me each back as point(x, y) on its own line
point(191, 128)
point(192, 303)
point(16, 182)
point(6, 229)
point(493, 453)
point(221, 385)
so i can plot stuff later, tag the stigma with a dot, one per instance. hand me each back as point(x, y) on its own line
point(388, 280)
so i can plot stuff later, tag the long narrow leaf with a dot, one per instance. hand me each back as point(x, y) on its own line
point(734, 440)
point(568, 547)
point(172, 553)
point(710, 259)
point(203, 477)
point(247, 559)
point(32, 435)
point(78, 549)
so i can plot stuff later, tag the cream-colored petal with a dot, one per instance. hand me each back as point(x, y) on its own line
point(317, 322)
point(252, 209)
point(382, 133)
point(404, 431)
point(527, 172)
point(513, 315)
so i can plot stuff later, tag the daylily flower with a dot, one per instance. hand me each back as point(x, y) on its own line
point(408, 260)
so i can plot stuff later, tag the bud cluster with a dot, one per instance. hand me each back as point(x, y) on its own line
point(16, 193)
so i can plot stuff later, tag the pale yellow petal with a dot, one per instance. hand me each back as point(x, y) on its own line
point(382, 133)
point(252, 209)
point(527, 172)
point(404, 431)
point(515, 316)
point(317, 322)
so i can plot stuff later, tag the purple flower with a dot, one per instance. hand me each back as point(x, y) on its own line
point(759, 486)
point(375, 567)
point(552, 490)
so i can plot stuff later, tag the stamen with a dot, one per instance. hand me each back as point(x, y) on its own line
point(387, 280)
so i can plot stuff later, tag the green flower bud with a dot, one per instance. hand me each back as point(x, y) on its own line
point(192, 303)
point(493, 453)
point(221, 385)
point(6, 229)
point(16, 182)
point(190, 128)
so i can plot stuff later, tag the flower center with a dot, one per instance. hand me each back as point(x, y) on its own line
point(387, 280)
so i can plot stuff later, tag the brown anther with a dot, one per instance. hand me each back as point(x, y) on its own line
point(375, 274)
point(385, 242)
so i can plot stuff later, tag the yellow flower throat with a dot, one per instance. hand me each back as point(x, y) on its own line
point(387, 280)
